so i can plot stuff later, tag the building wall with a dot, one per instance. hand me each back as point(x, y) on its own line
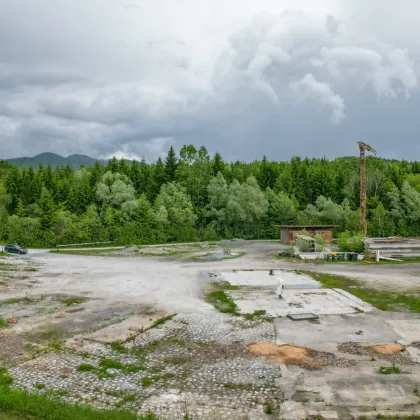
point(291, 235)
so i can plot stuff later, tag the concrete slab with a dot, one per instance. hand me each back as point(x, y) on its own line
point(414, 353)
point(262, 278)
point(350, 393)
point(363, 328)
point(127, 328)
point(409, 329)
point(316, 301)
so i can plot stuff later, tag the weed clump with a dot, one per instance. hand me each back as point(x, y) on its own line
point(73, 300)
point(85, 367)
point(388, 370)
point(221, 301)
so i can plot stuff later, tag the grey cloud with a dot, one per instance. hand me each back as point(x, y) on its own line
point(244, 84)
point(308, 87)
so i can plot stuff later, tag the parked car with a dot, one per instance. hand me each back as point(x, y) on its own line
point(15, 249)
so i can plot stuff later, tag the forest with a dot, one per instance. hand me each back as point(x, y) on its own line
point(194, 196)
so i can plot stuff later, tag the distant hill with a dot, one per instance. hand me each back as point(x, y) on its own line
point(56, 160)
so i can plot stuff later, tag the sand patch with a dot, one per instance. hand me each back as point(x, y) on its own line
point(386, 349)
point(295, 355)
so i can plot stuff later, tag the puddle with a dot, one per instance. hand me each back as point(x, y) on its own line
point(218, 256)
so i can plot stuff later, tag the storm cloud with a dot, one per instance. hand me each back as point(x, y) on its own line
point(244, 78)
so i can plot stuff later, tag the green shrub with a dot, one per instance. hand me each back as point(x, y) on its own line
point(319, 239)
point(349, 243)
point(305, 244)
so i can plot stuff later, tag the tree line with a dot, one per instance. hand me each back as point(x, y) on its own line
point(194, 196)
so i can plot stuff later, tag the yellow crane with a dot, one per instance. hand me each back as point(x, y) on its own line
point(363, 185)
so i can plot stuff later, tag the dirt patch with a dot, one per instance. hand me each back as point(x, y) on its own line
point(295, 355)
point(386, 349)
point(393, 352)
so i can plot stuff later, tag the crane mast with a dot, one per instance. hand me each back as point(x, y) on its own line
point(363, 147)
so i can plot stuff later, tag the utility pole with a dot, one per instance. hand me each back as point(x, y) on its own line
point(363, 185)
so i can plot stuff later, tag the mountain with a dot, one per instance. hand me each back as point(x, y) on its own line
point(56, 160)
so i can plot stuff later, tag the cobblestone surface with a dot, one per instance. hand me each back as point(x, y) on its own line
point(192, 364)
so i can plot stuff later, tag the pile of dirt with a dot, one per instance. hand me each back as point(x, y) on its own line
point(386, 349)
point(393, 352)
point(295, 355)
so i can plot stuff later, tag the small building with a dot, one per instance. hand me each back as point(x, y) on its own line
point(288, 233)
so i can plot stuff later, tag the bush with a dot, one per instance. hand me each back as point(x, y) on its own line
point(349, 243)
point(304, 244)
point(319, 239)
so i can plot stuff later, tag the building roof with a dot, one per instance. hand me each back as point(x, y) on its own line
point(308, 226)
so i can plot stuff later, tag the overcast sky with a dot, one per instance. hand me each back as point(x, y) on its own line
point(242, 77)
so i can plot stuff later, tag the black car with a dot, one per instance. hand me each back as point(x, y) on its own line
point(15, 249)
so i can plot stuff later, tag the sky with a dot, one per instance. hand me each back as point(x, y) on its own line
point(245, 78)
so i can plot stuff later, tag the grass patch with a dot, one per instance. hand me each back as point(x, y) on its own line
point(126, 399)
point(48, 337)
point(105, 364)
point(39, 386)
point(65, 247)
point(96, 252)
point(225, 286)
point(3, 323)
point(222, 302)
point(381, 299)
point(17, 405)
point(386, 417)
point(118, 347)
point(110, 364)
point(255, 314)
point(73, 300)
point(13, 301)
point(3, 254)
point(268, 409)
point(161, 321)
point(149, 381)
point(389, 370)
point(85, 367)
point(133, 368)
point(7, 267)
point(5, 378)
